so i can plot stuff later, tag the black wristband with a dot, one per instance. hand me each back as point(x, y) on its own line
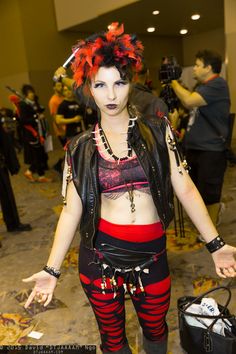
point(215, 244)
point(50, 270)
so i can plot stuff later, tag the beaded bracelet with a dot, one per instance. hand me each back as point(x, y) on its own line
point(215, 244)
point(52, 271)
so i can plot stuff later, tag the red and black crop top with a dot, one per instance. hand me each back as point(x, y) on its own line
point(114, 177)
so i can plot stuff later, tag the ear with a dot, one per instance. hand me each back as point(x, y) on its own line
point(209, 68)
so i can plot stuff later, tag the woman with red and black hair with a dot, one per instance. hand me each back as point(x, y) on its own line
point(118, 188)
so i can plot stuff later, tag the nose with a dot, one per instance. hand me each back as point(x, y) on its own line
point(111, 93)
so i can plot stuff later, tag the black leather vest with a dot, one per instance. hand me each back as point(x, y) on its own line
point(83, 159)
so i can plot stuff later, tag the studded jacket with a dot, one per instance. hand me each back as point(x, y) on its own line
point(82, 160)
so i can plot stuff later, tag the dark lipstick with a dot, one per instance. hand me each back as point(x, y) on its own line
point(111, 106)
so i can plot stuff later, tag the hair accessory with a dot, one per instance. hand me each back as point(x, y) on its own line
point(110, 48)
point(215, 244)
point(52, 271)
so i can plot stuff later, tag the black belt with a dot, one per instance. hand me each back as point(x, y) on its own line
point(128, 263)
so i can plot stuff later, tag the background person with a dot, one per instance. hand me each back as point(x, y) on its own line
point(59, 129)
point(53, 104)
point(142, 97)
point(34, 134)
point(70, 113)
point(207, 129)
point(9, 163)
point(117, 171)
point(88, 106)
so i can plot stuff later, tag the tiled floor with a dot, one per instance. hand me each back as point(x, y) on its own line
point(69, 320)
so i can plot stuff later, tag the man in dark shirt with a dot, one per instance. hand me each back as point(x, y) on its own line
point(208, 128)
point(70, 113)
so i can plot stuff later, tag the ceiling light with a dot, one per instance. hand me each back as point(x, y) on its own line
point(151, 29)
point(195, 17)
point(155, 12)
point(183, 31)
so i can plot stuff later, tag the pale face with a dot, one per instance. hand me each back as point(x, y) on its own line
point(109, 91)
point(200, 71)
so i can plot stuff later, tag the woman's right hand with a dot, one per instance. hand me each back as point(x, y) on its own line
point(43, 289)
point(60, 72)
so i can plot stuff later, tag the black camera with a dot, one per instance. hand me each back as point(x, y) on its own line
point(169, 70)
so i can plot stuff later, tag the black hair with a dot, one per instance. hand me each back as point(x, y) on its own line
point(212, 58)
point(26, 88)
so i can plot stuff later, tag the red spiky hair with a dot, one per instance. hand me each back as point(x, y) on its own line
point(110, 48)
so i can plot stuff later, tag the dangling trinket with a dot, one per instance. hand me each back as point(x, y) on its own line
point(131, 198)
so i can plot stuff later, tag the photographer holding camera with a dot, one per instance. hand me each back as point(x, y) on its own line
point(207, 129)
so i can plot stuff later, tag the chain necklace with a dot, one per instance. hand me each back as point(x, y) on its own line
point(130, 186)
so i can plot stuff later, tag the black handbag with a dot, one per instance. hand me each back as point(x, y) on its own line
point(197, 340)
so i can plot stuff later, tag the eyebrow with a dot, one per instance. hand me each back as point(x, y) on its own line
point(100, 81)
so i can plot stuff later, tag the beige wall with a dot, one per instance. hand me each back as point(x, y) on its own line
point(13, 56)
point(13, 59)
point(80, 11)
point(155, 48)
point(214, 40)
point(45, 48)
point(31, 45)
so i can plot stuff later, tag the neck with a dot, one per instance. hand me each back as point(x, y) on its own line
point(211, 77)
point(117, 124)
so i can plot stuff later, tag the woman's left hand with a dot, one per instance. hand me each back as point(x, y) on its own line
point(225, 262)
